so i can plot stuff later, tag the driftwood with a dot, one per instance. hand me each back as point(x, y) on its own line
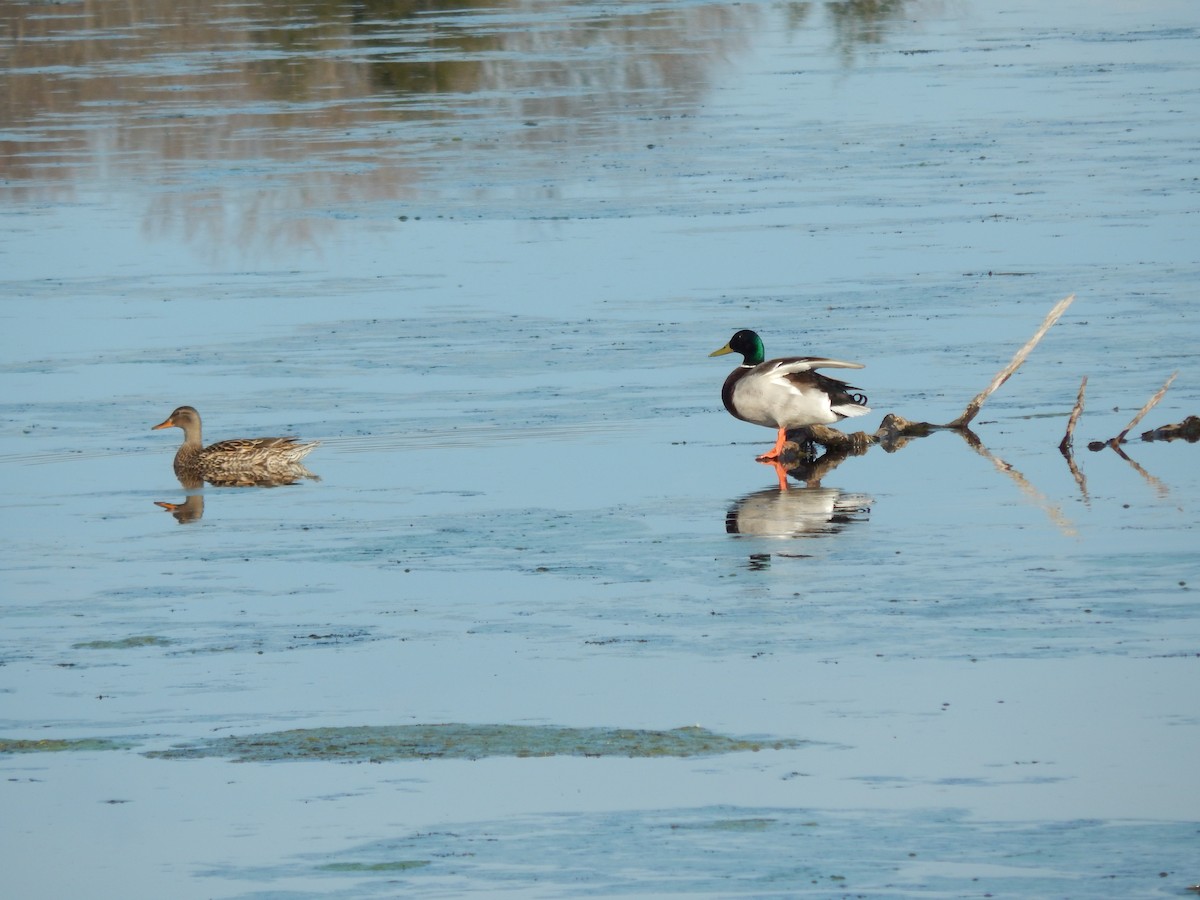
point(800, 460)
point(1187, 430)
point(1116, 442)
point(896, 431)
point(1069, 438)
point(1004, 374)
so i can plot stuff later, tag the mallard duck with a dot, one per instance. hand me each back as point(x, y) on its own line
point(786, 393)
point(226, 462)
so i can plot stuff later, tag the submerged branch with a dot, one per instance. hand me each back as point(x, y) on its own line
point(1116, 442)
point(1069, 438)
point(854, 444)
point(1188, 430)
point(1004, 374)
point(1068, 441)
point(1150, 404)
point(895, 431)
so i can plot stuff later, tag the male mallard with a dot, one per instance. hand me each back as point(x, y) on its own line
point(786, 393)
point(239, 456)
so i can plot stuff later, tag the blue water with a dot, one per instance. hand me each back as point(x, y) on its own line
point(482, 255)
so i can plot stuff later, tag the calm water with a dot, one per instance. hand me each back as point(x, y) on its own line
point(482, 252)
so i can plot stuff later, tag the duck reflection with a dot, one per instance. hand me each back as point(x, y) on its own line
point(273, 476)
point(798, 511)
point(801, 512)
point(191, 509)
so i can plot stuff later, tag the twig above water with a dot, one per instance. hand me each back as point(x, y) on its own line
point(1150, 404)
point(895, 431)
point(1069, 438)
point(1004, 374)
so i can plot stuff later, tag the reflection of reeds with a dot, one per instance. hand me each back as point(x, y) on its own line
point(1158, 484)
point(257, 121)
point(296, 111)
point(858, 22)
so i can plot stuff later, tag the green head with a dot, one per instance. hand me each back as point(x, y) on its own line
point(747, 343)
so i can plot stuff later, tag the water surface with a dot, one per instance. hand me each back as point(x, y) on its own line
point(482, 252)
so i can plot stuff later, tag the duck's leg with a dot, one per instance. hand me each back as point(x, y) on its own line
point(781, 473)
point(774, 452)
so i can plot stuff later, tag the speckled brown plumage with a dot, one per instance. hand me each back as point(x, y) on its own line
point(225, 462)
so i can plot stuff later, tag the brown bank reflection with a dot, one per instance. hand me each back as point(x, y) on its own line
point(288, 106)
point(273, 107)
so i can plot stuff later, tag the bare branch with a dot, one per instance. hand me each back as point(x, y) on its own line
point(1065, 447)
point(1004, 374)
point(1150, 404)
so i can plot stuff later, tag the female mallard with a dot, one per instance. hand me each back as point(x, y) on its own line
point(786, 393)
point(225, 459)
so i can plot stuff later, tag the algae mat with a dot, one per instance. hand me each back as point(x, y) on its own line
point(457, 741)
point(59, 745)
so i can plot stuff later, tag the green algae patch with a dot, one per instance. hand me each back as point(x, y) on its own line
point(58, 745)
point(137, 640)
point(456, 741)
point(401, 865)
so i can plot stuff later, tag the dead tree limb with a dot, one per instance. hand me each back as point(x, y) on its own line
point(1150, 404)
point(1187, 430)
point(854, 444)
point(1069, 438)
point(895, 431)
point(1004, 374)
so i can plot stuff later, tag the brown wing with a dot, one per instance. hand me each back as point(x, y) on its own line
point(251, 445)
point(839, 391)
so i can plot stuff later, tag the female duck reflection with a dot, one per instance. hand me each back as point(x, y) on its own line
point(238, 462)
